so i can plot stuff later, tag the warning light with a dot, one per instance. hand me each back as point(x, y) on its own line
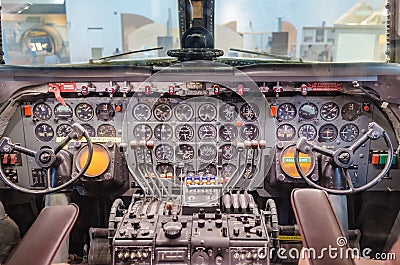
point(118, 108)
point(366, 107)
point(27, 111)
point(273, 110)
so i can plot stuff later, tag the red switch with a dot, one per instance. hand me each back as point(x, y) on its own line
point(375, 159)
point(6, 158)
point(13, 159)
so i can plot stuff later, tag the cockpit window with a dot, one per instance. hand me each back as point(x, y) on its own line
point(73, 31)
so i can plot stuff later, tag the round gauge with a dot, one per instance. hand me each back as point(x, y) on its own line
point(42, 111)
point(105, 112)
point(89, 128)
point(329, 111)
point(228, 170)
point(286, 112)
point(162, 112)
point(100, 160)
point(184, 152)
point(249, 132)
point(63, 112)
point(308, 111)
point(44, 132)
point(84, 111)
point(184, 132)
point(106, 130)
point(207, 152)
point(285, 132)
point(328, 133)
point(207, 132)
point(228, 112)
point(207, 112)
point(163, 132)
point(351, 111)
point(164, 168)
point(63, 130)
point(308, 131)
point(349, 132)
point(249, 171)
point(249, 112)
point(229, 152)
point(141, 112)
point(286, 161)
point(142, 132)
point(164, 152)
point(183, 112)
point(208, 169)
point(228, 132)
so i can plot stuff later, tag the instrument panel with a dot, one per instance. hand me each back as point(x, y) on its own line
point(197, 135)
point(321, 120)
point(331, 121)
point(204, 135)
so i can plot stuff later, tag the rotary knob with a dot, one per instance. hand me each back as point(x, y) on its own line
point(200, 258)
point(172, 230)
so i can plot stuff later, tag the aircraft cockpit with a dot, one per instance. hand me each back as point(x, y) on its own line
point(199, 156)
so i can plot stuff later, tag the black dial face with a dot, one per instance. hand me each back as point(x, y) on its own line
point(42, 111)
point(183, 112)
point(106, 130)
point(162, 112)
point(285, 132)
point(207, 112)
point(286, 112)
point(308, 111)
point(141, 112)
point(328, 133)
point(308, 131)
point(164, 152)
point(184, 132)
point(44, 132)
point(349, 132)
point(208, 169)
point(184, 152)
point(330, 111)
point(89, 128)
point(163, 132)
point(84, 112)
point(63, 130)
point(229, 152)
point(228, 112)
point(228, 170)
point(142, 132)
point(249, 112)
point(207, 132)
point(105, 112)
point(249, 132)
point(351, 111)
point(63, 112)
point(207, 152)
point(228, 132)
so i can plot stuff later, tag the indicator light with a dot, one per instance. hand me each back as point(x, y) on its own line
point(27, 111)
